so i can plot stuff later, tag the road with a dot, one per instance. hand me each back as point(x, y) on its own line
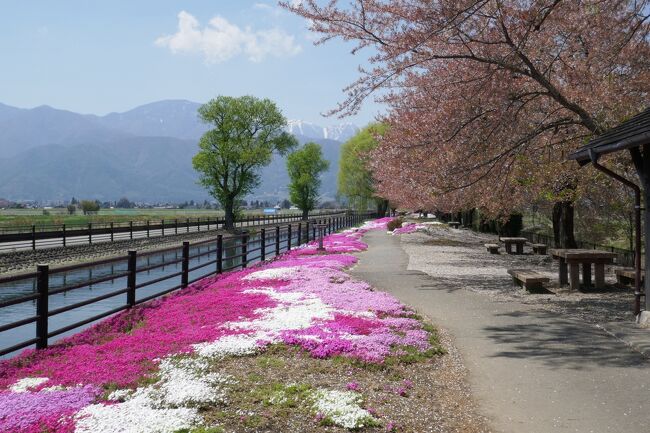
point(530, 370)
point(137, 234)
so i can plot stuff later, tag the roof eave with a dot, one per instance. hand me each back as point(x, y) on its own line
point(582, 155)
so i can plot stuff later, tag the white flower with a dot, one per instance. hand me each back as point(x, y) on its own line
point(119, 394)
point(230, 345)
point(282, 273)
point(136, 415)
point(23, 385)
point(294, 311)
point(342, 407)
point(160, 408)
point(188, 382)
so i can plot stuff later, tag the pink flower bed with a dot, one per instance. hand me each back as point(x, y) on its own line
point(302, 298)
point(408, 228)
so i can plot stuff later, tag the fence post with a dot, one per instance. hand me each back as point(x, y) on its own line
point(185, 275)
point(307, 231)
point(162, 223)
point(63, 227)
point(112, 232)
point(147, 228)
point(219, 254)
point(90, 233)
point(262, 245)
point(187, 225)
point(289, 237)
point(299, 240)
point(244, 249)
point(277, 240)
point(176, 226)
point(130, 279)
point(42, 285)
point(33, 237)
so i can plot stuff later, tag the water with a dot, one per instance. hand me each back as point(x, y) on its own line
point(28, 309)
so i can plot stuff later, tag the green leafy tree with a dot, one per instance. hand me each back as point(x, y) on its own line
point(246, 132)
point(89, 206)
point(124, 203)
point(355, 181)
point(305, 166)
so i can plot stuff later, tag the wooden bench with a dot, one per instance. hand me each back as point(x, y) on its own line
point(492, 248)
point(453, 224)
point(539, 249)
point(530, 280)
point(627, 276)
point(518, 242)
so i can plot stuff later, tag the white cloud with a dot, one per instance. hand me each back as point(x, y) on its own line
point(221, 40)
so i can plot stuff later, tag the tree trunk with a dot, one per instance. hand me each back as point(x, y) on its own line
point(228, 207)
point(305, 214)
point(563, 212)
point(382, 206)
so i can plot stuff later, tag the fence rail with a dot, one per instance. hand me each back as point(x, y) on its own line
point(57, 235)
point(243, 249)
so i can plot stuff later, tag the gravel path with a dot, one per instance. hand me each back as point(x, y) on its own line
point(530, 369)
point(459, 258)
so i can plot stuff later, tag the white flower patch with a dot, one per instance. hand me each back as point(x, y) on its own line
point(282, 273)
point(342, 407)
point(188, 382)
point(138, 414)
point(230, 345)
point(119, 394)
point(54, 388)
point(160, 408)
point(294, 311)
point(25, 384)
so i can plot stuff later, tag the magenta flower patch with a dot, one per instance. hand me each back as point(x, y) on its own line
point(302, 298)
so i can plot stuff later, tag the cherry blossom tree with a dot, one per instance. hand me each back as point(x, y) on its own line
point(486, 97)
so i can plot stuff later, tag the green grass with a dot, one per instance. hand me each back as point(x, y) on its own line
point(27, 217)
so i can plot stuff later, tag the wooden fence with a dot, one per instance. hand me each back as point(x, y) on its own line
point(244, 248)
point(59, 235)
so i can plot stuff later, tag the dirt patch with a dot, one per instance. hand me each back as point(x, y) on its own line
point(272, 393)
point(447, 242)
point(458, 260)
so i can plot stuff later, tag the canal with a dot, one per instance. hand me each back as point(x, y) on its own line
point(231, 258)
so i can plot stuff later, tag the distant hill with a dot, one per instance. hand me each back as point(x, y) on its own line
point(173, 118)
point(26, 129)
point(144, 154)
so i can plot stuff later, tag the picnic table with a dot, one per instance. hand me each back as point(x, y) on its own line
point(518, 242)
point(573, 259)
point(453, 224)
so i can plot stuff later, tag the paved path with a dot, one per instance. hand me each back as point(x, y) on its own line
point(531, 371)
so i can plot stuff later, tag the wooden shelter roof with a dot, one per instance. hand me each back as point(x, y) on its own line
point(631, 133)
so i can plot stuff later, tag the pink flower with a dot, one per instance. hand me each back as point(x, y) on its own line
point(353, 386)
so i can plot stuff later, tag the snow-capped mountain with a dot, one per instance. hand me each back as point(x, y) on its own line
point(341, 132)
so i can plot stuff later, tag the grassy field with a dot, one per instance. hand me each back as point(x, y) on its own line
point(23, 217)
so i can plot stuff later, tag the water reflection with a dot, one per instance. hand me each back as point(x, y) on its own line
point(170, 259)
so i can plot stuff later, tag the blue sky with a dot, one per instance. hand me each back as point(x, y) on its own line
point(103, 56)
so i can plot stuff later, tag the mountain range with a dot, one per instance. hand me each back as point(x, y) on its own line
point(47, 154)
